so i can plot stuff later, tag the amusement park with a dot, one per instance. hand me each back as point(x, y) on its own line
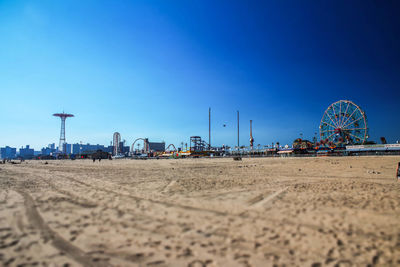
point(343, 131)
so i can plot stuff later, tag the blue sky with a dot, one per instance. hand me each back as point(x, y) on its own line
point(152, 68)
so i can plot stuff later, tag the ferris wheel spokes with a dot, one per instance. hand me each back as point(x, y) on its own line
point(350, 129)
point(330, 125)
point(331, 121)
point(335, 115)
point(352, 122)
point(348, 104)
point(354, 136)
point(329, 136)
point(328, 131)
point(348, 118)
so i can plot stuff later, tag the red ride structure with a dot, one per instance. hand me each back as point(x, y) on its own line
point(63, 116)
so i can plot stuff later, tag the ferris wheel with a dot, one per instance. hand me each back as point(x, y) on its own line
point(343, 123)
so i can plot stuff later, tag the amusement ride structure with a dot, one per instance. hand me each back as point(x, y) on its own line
point(63, 116)
point(197, 144)
point(146, 147)
point(171, 145)
point(343, 123)
point(116, 142)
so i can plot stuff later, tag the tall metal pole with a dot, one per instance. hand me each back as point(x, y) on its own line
point(251, 135)
point(209, 128)
point(238, 128)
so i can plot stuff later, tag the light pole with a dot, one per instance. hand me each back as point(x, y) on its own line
point(238, 129)
point(209, 128)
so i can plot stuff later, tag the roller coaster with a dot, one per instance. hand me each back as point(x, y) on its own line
point(170, 146)
point(145, 145)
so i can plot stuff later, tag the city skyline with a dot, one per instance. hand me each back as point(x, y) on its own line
point(152, 69)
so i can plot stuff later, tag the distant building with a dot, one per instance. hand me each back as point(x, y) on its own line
point(26, 153)
point(109, 149)
point(45, 151)
point(87, 148)
point(76, 149)
point(123, 149)
point(8, 152)
point(49, 150)
point(157, 147)
point(68, 149)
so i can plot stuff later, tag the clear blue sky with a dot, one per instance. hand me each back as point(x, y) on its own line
point(152, 68)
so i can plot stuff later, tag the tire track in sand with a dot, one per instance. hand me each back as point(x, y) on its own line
point(154, 201)
point(262, 199)
point(244, 214)
point(57, 241)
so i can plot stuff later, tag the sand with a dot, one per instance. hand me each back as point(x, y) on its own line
point(201, 212)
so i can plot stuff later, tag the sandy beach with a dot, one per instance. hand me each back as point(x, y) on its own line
point(201, 212)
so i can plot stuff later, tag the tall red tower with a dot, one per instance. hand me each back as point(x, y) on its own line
point(63, 116)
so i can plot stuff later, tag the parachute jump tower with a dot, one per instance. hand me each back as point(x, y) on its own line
point(63, 116)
